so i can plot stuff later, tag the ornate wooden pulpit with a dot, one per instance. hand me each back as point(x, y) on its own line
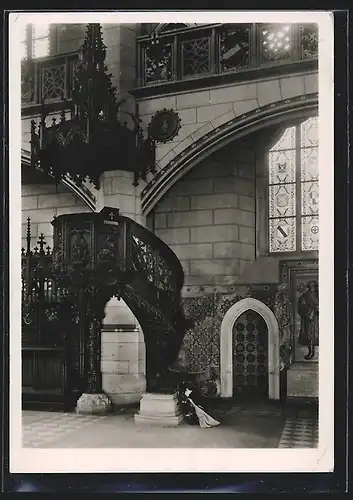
point(90, 257)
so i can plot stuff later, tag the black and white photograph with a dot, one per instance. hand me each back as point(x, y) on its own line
point(171, 260)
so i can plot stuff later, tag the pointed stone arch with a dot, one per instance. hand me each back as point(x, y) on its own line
point(82, 192)
point(215, 137)
point(226, 346)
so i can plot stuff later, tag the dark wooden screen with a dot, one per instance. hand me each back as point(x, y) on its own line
point(52, 375)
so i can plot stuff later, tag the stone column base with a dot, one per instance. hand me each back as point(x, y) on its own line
point(93, 404)
point(161, 410)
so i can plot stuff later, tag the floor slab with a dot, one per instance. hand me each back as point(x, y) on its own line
point(248, 426)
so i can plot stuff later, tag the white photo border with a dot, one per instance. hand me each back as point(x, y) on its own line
point(321, 459)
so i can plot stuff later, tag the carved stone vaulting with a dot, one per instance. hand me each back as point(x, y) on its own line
point(91, 139)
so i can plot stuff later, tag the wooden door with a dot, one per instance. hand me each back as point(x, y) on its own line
point(250, 356)
point(50, 364)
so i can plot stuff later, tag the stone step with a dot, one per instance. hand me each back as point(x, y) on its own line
point(303, 380)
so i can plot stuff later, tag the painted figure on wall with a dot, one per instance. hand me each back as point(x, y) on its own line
point(308, 309)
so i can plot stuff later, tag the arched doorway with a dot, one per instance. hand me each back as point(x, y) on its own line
point(123, 360)
point(250, 356)
point(226, 345)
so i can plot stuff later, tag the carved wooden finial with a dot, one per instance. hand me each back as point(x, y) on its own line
point(41, 243)
point(28, 235)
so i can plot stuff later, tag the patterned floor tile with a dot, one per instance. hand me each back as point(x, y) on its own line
point(295, 429)
point(301, 430)
point(55, 426)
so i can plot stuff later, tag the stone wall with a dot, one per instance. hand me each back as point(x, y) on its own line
point(120, 40)
point(208, 217)
point(41, 202)
point(117, 191)
point(203, 111)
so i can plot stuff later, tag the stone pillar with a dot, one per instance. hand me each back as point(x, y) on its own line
point(123, 355)
point(119, 192)
point(120, 40)
point(160, 405)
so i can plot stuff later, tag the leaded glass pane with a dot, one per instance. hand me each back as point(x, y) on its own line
point(282, 167)
point(196, 56)
point(234, 47)
point(309, 38)
point(282, 200)
point(287, 141)
point(24, 32)
point(41, 47)
point(23, 50)
point(158, 62)
point(309, 164)
point(283, 234)
point(276, 42)
point(310, 198)
point(40, 30)
point(310, 233)
point(309, 132)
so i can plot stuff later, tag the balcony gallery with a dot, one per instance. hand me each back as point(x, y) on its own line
point(184, 58)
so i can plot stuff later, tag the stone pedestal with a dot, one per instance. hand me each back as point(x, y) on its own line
point(93, 404)
point(160, 410)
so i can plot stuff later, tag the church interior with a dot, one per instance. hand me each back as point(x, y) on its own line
point(170, 233)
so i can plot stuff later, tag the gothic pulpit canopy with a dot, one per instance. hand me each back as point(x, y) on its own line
point(91, 139)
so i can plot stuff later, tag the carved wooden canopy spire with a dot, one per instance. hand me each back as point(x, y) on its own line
point(93, 92)
point(92, 140)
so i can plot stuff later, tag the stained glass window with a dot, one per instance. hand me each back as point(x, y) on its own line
point(35, 41)
point(275, 42)
point(294, 189)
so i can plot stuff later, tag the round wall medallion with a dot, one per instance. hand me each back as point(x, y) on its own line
point(164, 125)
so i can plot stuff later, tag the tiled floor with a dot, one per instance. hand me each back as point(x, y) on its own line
point(301, 430)
point(241, 426)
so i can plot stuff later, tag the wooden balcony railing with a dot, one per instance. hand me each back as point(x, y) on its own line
point(185, 56)
point(47, 80)
point(220, 49)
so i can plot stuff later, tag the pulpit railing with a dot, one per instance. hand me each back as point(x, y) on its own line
point(153, 259)
point(218, 49)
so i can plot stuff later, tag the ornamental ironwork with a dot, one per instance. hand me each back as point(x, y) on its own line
point(190, 53)
point(164, 125)
point(89, 138)
point(196, 56)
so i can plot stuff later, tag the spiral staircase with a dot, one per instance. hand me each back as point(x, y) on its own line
point(54, 342)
